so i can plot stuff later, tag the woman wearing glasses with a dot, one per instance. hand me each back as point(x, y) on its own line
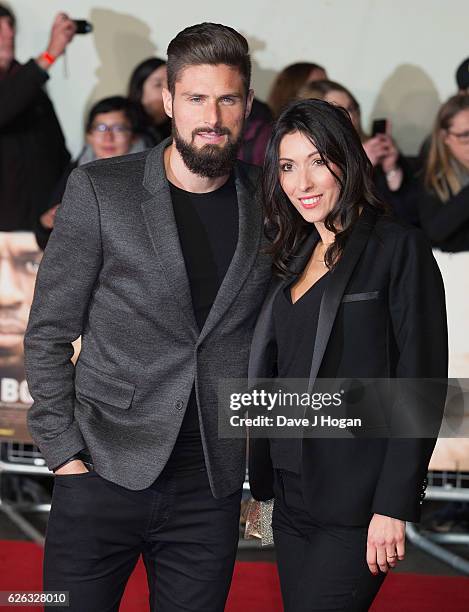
point(357, 295)
point(444, 205)
point(110, 131)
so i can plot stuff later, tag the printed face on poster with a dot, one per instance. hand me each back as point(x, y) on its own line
point(19, 261)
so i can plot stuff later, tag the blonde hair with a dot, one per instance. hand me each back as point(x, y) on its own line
point(440, 175)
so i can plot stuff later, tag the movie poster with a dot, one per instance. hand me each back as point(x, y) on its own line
point(19, 261)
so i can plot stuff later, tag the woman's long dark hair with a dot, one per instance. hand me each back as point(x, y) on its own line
point(329, 128)
point(147, 128)
point(140, 75)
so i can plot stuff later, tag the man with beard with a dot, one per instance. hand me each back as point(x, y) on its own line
point(164, 286)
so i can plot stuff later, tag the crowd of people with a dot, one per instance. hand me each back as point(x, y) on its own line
point(429, 191)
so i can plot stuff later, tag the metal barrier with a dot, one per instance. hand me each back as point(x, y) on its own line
point(445, 486)
point(19, 458)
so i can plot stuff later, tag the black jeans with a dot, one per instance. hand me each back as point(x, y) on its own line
point(321, 567)
point(97, 531)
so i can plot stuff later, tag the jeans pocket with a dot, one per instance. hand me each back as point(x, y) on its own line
point(79, 476)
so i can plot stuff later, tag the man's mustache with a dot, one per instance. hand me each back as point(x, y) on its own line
point(221, 131)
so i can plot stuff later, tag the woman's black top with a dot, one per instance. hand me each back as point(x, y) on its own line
point(295, 332)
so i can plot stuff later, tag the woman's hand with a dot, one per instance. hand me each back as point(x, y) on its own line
point(391, 154)
point(386, 543)
point(376, 148)
point(382, 151)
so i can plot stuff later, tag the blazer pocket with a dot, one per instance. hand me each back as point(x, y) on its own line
point(97, 385)
point(360, 297)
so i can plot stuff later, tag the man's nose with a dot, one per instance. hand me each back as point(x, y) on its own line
point(212, 114)
point(108, 135)
point(10, 289)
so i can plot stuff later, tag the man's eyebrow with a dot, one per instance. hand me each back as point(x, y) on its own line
point(193, 94)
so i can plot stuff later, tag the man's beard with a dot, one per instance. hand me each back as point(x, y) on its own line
point(210, 161)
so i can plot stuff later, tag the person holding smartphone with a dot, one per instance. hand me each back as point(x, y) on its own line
point(32, 146)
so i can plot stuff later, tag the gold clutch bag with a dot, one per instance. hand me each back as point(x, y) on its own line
point(259, 521)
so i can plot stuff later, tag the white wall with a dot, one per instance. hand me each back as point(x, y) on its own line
point(397, 56)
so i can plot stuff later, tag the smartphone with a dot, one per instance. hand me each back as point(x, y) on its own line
point(379, 127)
point(83, 26)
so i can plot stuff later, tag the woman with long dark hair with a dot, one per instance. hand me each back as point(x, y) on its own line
point(145, 90)
point(357, 295)
point(393, 175)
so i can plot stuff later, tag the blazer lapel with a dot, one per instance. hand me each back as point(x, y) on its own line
point(263, 350)
point(161, 225)
point(249, 240)
point(336, 286)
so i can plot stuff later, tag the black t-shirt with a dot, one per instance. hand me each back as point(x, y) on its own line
point(208, 232)
point(295, 333)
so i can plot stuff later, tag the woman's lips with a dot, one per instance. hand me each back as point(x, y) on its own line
point(311, 201)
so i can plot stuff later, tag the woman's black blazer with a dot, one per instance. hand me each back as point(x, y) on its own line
point(382, 316)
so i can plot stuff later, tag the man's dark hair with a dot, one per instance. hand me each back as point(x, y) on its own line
point(5, 11)
point(208, 43)
point(112, 104)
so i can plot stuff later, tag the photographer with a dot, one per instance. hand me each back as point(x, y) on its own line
point(32, 147)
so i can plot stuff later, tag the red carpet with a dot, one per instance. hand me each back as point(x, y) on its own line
point(255, 586)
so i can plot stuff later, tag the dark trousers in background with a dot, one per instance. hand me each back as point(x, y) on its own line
point(321, 567)
point(97, 531)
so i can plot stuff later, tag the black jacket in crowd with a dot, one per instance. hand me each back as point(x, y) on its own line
point(33, 154)
point(446, 223)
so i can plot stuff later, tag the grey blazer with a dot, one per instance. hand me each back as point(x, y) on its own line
point(113, 272)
